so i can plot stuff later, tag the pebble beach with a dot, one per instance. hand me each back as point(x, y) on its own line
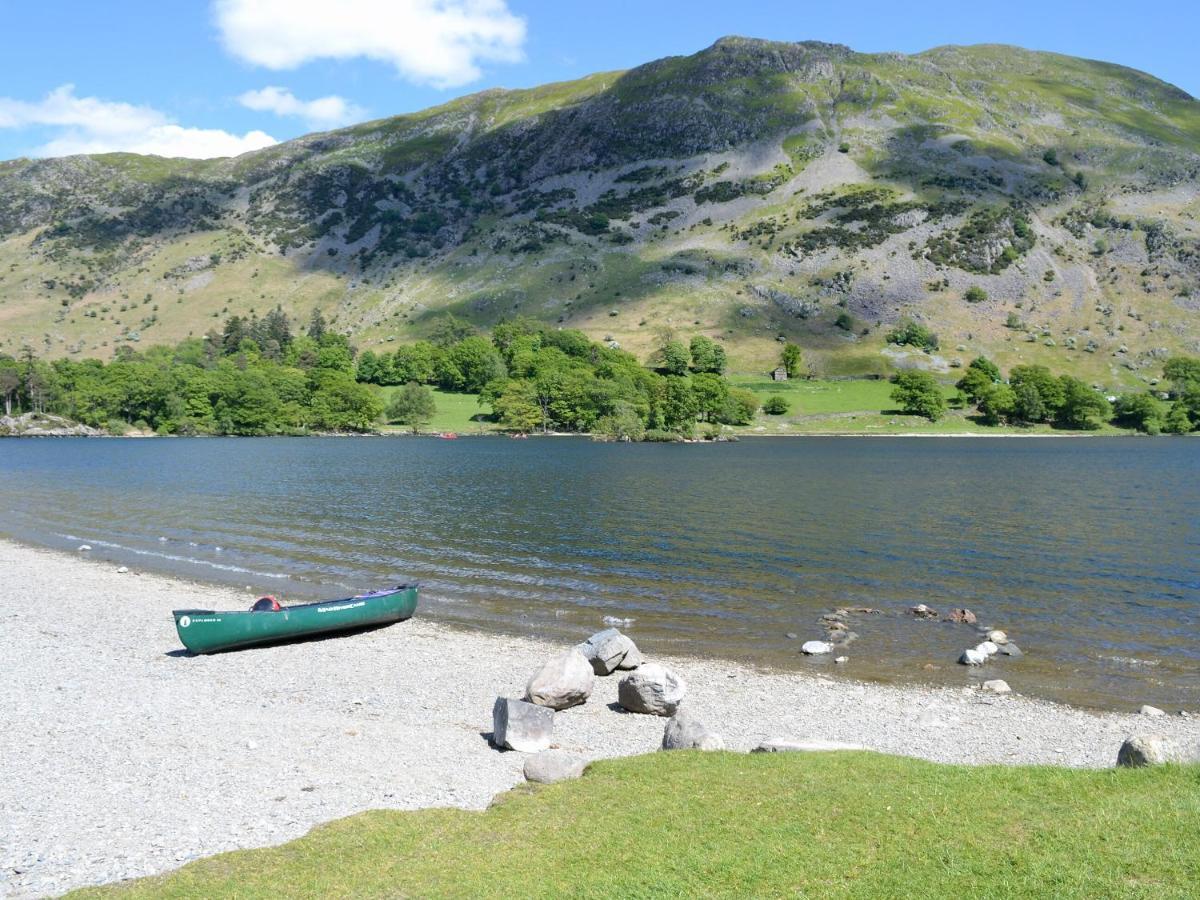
point(123, 756)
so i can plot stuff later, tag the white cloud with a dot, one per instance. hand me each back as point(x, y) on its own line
point(438, 42)
point(91, 125)
point(324, 112)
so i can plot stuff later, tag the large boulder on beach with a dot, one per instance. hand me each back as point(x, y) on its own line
point(607, 650)
point(1155, 750)
point(653, 689)
point(550, 766)
point(517, 725)
point(563, 681)
point(685, 732)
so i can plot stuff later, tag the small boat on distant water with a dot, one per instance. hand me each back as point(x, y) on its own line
point(448, 436)
point(208, 631)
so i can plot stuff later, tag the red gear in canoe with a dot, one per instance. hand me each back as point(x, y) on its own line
point(266, 604)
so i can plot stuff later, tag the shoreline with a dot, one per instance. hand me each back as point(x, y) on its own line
point(127, 758)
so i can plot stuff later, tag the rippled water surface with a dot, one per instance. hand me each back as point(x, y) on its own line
point(1086, 551)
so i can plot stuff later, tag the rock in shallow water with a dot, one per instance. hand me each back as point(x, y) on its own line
point(965, 616)
point(816, 648)
point(522, 726)
point(1149, 710)
point(653, 689)
point(973, 657)
point(997, 686)
point(988, 648)
point(685, 732)
point(550, 766)
point(564, 681)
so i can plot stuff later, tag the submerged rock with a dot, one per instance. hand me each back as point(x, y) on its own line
point(1011, 649)
point(653, 690)
point(685, 732)
point(563, 681)
point(921, 611)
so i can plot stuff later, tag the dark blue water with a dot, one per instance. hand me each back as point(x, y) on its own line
point(1086, 551)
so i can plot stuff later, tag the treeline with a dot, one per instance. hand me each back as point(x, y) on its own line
point(548, 379)
point(1032, 395)
point(253, 378)
point(256, 376)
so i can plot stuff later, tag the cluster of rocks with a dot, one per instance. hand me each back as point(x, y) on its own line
point(32, 424)
point(838, 634)
point(567, 680)
point(995, 643)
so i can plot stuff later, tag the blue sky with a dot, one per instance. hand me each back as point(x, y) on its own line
point(216, 77)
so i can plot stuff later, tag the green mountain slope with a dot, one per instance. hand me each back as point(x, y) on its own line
point(752, 190)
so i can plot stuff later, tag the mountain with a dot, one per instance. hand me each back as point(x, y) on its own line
point(1032, 206)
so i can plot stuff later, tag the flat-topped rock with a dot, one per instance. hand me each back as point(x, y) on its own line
point(517, 725)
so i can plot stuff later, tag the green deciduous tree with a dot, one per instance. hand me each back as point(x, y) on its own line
point(919, 394)
point(412, 405)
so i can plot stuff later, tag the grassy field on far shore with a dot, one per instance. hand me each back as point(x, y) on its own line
point(765, 825)
point(817, 407)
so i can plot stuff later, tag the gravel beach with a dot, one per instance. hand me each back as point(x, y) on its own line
point(124, 757)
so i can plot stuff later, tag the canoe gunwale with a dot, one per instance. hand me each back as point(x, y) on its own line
point(398, 589)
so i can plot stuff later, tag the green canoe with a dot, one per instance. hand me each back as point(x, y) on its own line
point(207, 631)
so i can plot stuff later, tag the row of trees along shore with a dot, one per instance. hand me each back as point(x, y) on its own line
point(260, 376)
point(1033, 395)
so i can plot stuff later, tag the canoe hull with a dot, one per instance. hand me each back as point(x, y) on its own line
point(210, 631)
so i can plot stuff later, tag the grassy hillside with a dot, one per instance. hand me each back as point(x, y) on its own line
point(762, 825)
point(750, 191)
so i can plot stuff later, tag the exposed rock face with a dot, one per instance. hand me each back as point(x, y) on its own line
point(562, 682)
point(518, 725)
point(44, 425)
point(550, 766)
point(685, 732)
point(1155, 750)
point(653, 689)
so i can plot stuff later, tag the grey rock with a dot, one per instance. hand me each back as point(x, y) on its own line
point(1155, 750)
point(632, 659)
point(606, 649)
point(996, 636)
point(563, 681)
point(653, 689)
point(522, 726)
point(841, 659)
point(685, 732)
point(921, 611)
point(550, 766)
point(988, 648)
point(973, 657)
point(1011, 649)
point(787, 745)
point(1148, 710)
point(816, 648)
point(997, 686)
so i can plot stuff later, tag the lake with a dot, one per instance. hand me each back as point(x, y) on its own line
point(1086, 551)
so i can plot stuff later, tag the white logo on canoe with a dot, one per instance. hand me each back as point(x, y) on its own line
point(185, 621)
point(325, 609)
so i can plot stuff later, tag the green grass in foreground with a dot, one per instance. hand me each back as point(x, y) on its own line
point(725, 824)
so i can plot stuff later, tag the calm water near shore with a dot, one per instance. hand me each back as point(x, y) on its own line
point(1086, 551)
